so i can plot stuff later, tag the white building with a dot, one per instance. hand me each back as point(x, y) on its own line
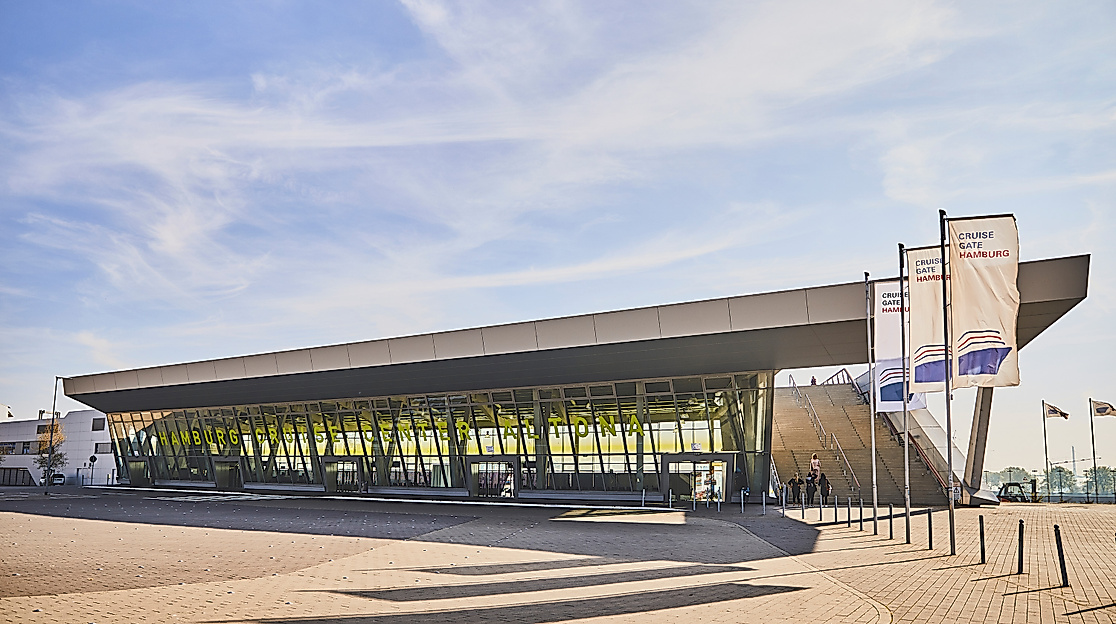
point(87, 435)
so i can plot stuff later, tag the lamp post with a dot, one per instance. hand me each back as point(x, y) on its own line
point(50, 449)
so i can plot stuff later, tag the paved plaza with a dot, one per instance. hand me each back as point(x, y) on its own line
point(131, 556)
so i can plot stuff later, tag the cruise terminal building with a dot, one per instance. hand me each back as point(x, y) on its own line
point(617, 406)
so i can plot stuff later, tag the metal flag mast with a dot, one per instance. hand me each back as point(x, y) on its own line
point(872, 401)
point(1093, 438)
point(1045, 452)
point(906, 389)
point(948, 373)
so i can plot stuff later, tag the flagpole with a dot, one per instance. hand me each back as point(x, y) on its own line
point(1093, 437)
point(906, 390)
point(872, 402)
point(1045, 451)
point(948, 392)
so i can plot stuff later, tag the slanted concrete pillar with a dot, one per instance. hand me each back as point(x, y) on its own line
point(978, 438)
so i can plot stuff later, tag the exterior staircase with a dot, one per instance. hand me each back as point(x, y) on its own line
point(846, 423)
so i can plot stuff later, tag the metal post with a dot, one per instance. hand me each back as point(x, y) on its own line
point(1093, 437)
point(848, 513)
point(982, 538)
point(1061, 555)
point(862, 513)
point(890, 521)
point(763, 503)
point(742, 503)
point(929, 529)
point(872, 402)
point(643, 498)
point(906, 388)
point(947, 343)
point(1020, 568)
point(670, 498)
point(802, 503)
point(834, 509)
point(820, 508)
point(1045, 452)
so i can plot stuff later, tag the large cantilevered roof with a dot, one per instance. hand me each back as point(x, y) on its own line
point(822, 326)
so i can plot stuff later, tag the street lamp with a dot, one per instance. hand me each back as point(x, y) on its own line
point(50, 450)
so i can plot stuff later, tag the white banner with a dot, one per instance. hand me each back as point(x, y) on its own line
point(984, 254)
point(927, 353)
point(887, 340)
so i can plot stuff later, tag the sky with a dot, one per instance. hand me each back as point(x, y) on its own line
point(182, 181)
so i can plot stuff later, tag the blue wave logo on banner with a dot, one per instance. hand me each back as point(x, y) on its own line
point(929, 365)
point(891, 384)
point(981, 352)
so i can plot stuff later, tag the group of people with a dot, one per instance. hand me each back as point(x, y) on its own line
point(816, 484)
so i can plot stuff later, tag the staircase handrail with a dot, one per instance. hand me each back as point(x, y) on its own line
point(777, 483)
point(843, 376)
point(795, 391)
point(921, 453)
point(815, 420)
point(837, 446)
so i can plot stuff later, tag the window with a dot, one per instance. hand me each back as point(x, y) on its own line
point(26, 448)
point(42, 429)
point(102, 448)
point(98, 424)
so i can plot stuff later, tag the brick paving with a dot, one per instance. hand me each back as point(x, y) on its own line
point(202, 562)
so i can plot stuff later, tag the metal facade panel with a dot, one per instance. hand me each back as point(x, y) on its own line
point(126, 380)
point(150, 377)
point(455, 344)
point(691, 319)
point(412, 349)
point(375, 353)
point(104, 381)
point(626, 326)
point(509, 338)
point(175, 374)
point(68, 386)
point(201, 371)
point(293, 361)
point(83, 385)
point(573, 331)
point(781, 309)
point(844, 302)
point(1051, 280)
point(260, 365)
point(329, 358)
point(231, 368)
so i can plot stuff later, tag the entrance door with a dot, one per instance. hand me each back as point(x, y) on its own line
point(226, 474)
point(341, 475)
point(138, 474)
point(495, 476)
point(698, 477)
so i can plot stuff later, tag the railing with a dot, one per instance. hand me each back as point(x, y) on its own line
point(795, 392)
point(918, 451)
point(818, 427)
point(844, 377)
point(776, 485)
point(847, 469)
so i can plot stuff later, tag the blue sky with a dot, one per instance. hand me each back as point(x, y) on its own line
point(194, 180)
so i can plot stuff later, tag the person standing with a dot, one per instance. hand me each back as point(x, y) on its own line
point(795, 488)
point(811, 489)
point(824, 488)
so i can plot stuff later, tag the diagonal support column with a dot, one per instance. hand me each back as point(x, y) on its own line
point(978, 438)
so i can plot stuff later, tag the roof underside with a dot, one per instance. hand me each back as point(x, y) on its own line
point(791, 329)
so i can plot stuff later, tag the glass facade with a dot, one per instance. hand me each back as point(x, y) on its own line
point(624, 438)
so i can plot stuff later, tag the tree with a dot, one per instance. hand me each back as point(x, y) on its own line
point(1014, 474)
point(1102, 476)
point(51, 458)
point(991, 479)
point(1060, 480)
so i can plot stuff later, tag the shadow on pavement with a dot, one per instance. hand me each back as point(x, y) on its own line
point(560, 611)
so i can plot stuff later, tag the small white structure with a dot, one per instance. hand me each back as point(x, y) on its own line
point(86, 433)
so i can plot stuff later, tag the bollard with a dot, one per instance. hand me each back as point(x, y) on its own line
point(820, 510)
point(982, 538)
point(763, 504)
point(929, 528)
point(742, 502)
point(1061, 555)
point(908, 523)
point(802, 503)
point(891, 521)
point(693, 499)
point(862, 514)
point(643, 498)
point(784, 503)
point(1020, 568)
point(848, 513)
point(834, 509)
point(671, 498)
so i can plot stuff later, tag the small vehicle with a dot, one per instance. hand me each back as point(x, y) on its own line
point(57, 479)
point(1014, 493)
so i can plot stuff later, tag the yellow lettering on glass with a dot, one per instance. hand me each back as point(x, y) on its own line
point(197, 436)
point(581, 426)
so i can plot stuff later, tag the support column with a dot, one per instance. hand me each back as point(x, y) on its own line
point(978, 438)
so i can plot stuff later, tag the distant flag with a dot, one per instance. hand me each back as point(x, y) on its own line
point(1100, 408)
point(1052, 412)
